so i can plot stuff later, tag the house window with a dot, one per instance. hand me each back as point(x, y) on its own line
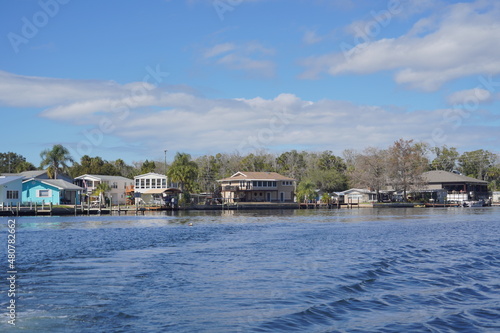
point(255, 183)
point(148, 183)
point(13, 195)
point(259, 184)
point(44, 193)
point(158, 183)
point(164, 183)
point(142, 183)
point(115, 185)
point(153, 183)
point(137, 182)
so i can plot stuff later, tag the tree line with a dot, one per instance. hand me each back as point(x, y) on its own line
point(399, 165)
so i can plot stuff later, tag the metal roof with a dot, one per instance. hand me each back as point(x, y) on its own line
point(7, 179)
point(58, 183)
point(440, 176)
point(256, 176)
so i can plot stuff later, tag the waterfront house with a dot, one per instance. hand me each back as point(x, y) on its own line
point(54, 191)
point(355, 195)
point(119, 186)
point(152, 188)
point(459, 188)
point(39, 174)
point(258, 187)
point(10, 190)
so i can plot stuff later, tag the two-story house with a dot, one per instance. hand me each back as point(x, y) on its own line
point(118, 186)
point(258, 187)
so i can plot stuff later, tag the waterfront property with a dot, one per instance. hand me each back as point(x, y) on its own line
point(356, 195)
point(258, 187)
point(152, 188)
point(459, 188)
point(119, 186)
point(54, 191)
point(10, 190)
point(39, 174)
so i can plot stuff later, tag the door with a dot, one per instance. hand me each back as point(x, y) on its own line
point(268, 196)
point(282, 196)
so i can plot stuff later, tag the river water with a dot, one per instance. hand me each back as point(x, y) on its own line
point(359, 270)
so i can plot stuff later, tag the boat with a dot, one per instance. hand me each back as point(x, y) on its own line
point(474, 203)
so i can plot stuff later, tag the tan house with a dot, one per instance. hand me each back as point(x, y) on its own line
point(258, 187)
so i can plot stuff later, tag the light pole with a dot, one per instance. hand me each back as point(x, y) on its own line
point(166, 165)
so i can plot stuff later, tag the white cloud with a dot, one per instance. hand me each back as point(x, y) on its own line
point(251, 58)
point(458, 43)
point(474, 96)
point(311, 37)
point(200, 125)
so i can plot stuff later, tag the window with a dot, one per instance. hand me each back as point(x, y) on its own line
point(153, 183)
point(255, 183)
point(148, 183)
point(164, 183)
point(115, 185)
point(158, 183)
point(137, 182)
point(142, 183)
point(44, 193)
point(259, 184)
point(13, 195)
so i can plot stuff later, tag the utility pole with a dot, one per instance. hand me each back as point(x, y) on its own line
point(166, 165)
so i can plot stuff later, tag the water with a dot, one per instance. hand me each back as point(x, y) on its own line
point(360, 270)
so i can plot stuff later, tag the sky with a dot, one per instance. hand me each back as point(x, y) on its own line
point(131, 79)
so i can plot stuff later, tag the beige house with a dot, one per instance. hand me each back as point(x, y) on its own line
point(258, 187)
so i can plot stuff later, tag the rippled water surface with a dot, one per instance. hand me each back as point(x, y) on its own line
point(360, 270)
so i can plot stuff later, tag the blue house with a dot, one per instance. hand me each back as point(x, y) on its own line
point(55, 191)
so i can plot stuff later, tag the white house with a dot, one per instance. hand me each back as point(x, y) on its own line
point(11, 188)
point(153, 188)
point(119, 186)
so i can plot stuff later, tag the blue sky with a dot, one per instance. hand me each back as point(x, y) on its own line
point(129, 79)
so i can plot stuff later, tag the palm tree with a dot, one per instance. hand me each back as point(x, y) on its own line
point(306, 191)
point(56, 159)
point(184, 171)
point(101, 190)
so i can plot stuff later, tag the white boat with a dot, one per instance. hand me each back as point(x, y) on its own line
point(475, 203)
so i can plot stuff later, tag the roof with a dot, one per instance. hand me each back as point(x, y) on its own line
point(162, 190)
point(151, 174)
point(58, 183)
point(104, 178)
point(440, 176)
point(8, 179)
point(256, 176)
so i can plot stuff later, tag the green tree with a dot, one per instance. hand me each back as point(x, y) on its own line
point(306, 190)
point(101, 191)
point(476, 163)
point(446, 158)
point(56, 160)
point(148, 166)
point(184, 171)
point(14, 163)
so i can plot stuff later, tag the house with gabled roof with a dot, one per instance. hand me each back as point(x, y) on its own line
point(258, 187)
point(119, 186)
point(54, 191)
point(459, 188)
point(10, 190)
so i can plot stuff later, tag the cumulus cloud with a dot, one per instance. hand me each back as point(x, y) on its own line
point(197, 124)
point(474, 96)
point(457, 43)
